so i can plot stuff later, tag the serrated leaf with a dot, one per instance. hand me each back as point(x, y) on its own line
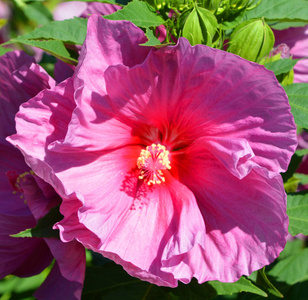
point(298, 99)
point(281, 66)
point(297, 210)
point(152, 39)
point(43, 229)
point(71, 31)
point(55, 48)
point(280, 10)
point(264, 282)
point(138, 12)
point(242, 285)
point(286, 25)
point(292, 269)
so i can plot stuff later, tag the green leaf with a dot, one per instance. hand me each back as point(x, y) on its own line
point(280, 10)
point(53, 47)
point(37, 12)
point(298, 99)
point(43, 229)
point(292, 269)
point(286, 25)
point(140, 13)
point(4, 50)
point(263, 281)
point(281, 66)
point(297, 210)
point(152, 39)
point(71, 31)
point(242, 285)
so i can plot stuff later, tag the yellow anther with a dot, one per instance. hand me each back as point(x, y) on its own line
point(151, 162)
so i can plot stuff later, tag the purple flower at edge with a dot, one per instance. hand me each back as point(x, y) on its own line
point(25, 198)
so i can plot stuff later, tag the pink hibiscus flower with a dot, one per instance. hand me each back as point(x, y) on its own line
point(25, 198)
point(297, 40)
point(174, 155)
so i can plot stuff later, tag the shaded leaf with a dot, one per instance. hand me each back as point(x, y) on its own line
point(264, 282)
point(294, 164)
point(43, 229)
point(111, 282)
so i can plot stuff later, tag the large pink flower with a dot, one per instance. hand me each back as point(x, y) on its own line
point(174, 155)
point(25, 198)
point(297, 40)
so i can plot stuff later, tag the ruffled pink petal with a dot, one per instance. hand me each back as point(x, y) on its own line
point(164, 222)
point(245, 220)
point(188, 93)
point(43, 119)
point(107, 43)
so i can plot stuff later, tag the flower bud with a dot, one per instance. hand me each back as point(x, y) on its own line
point(199, 26)
point(252, 40)
point(211, 5)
